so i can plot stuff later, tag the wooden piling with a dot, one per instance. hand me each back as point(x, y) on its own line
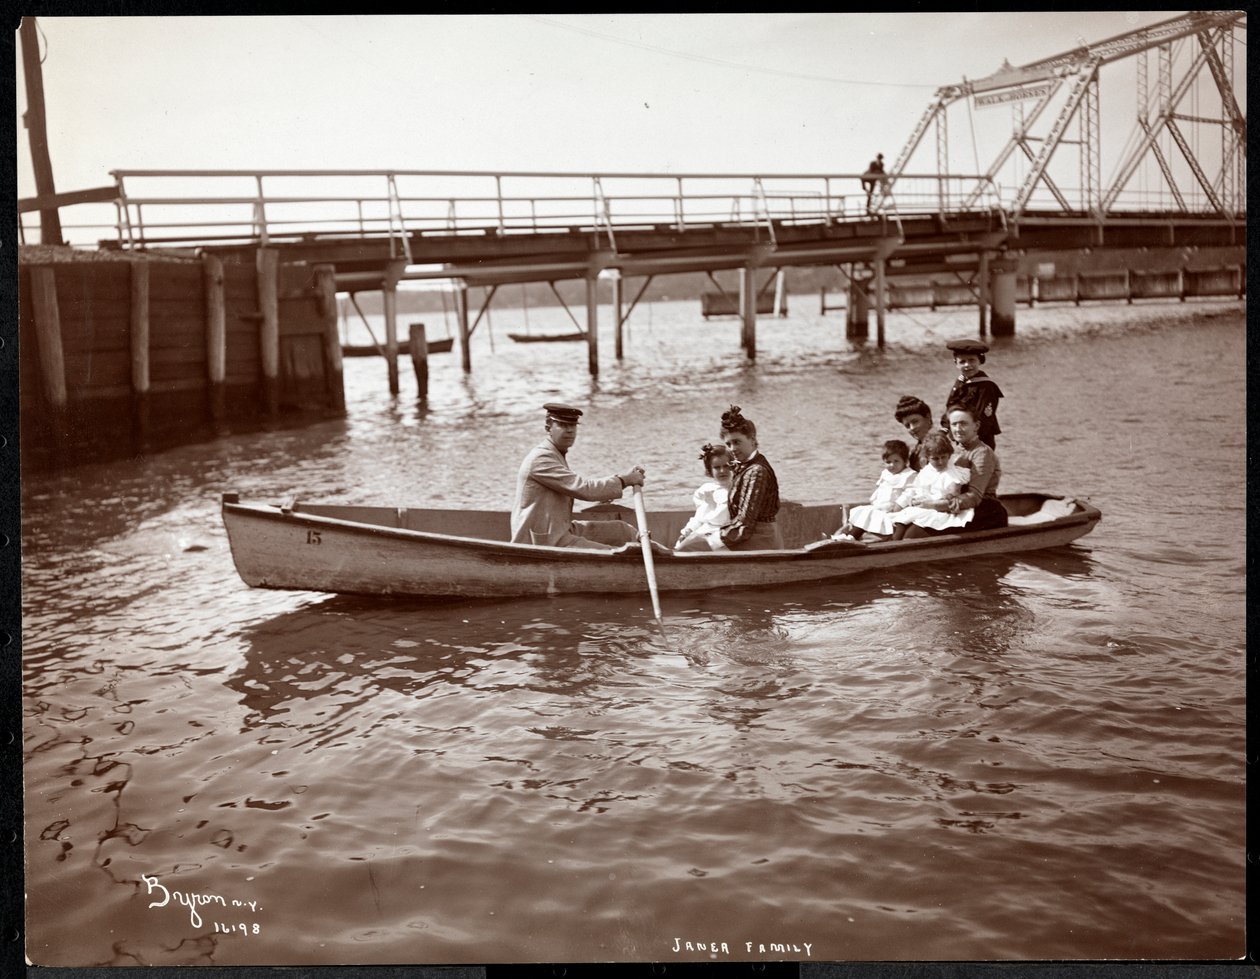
point(748, 311)
point(216, 337)
point(34, 118)
point(461, 308)
point(857, 324)
point(617, 311)
point(268, 269)
point(52, 366)
point(881, 299)
point(326, 297)
point(420, 359)
point(389, 296)
point(139, 315)
point(592, 324)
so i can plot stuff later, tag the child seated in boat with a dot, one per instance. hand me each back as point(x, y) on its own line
point(876, 517)
point(701, 532)
point(938, 481)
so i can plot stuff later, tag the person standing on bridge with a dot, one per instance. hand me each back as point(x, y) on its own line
point(874, 177)
point(546, 488)
point(974, 388)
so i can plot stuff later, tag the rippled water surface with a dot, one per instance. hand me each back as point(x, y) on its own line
point(1015, 757)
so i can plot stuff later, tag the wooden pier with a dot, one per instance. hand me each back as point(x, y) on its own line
point(144, 351)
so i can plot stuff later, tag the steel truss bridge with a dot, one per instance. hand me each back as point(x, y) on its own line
point(1138, 140)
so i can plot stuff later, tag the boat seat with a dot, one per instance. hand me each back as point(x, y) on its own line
point(1050, 510)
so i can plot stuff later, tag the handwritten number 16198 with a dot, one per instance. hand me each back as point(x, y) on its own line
point(240, 926)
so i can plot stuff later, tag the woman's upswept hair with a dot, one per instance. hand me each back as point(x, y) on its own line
point(733, 421)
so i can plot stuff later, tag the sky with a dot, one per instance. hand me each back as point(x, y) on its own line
point(785, 93)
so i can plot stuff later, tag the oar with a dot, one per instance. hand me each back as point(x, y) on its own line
point(645, 542)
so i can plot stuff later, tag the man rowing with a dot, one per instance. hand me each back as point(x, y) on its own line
point(546, 488)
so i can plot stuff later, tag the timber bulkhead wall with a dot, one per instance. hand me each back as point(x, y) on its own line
point(119, 357)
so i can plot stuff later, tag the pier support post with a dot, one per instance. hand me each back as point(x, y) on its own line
point(592, 324)
point(389, 297)
point(52, 368)
point(982, 288)
point(1002, 295)
point(881, 299)
point(461, 310)
point(748, 311)
point(617, 311)
point(857, 316)
point(778, 294)
point(268, 268)
point(216, 337)
point(139, 353)
point(420, 359)
point(326, 298)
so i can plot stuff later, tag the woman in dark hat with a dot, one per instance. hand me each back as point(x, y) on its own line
point(915, 417)
point(974, 387)
point(754, 498)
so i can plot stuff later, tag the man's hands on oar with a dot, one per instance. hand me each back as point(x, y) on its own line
point(632, 478)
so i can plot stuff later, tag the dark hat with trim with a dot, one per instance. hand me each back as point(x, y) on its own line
point(565, 414)
point(967, 346)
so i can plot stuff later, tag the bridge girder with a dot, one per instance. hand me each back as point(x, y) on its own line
point(1190, 181)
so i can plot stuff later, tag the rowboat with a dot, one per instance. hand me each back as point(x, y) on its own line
point(440, 346)
point(546, 337)
point(379, 550)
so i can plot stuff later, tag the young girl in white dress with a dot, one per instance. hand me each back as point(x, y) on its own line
point(936, 482)
point(876, 517)
point(712, 514)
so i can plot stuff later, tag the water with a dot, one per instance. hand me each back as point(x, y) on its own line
point(1034, 757)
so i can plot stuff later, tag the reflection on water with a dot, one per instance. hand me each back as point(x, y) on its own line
point(1028, 756)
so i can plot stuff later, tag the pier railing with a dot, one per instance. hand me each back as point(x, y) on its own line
point(185, 207)
point(173, 208)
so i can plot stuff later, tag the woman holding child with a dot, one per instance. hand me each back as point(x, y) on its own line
point(754, 499)
point(980, 493)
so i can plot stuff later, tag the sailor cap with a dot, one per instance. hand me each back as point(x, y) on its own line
point(565, 414)
point(967, 346)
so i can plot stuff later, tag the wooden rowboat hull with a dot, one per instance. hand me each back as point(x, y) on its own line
point(465, 553)
point(441, 346)
point(546, 337)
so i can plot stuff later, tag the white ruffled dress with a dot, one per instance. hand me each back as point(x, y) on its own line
point(712, 514)
point(874, 516)
point(936, 484)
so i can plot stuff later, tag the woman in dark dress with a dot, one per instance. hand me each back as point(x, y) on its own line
point(754, 497)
